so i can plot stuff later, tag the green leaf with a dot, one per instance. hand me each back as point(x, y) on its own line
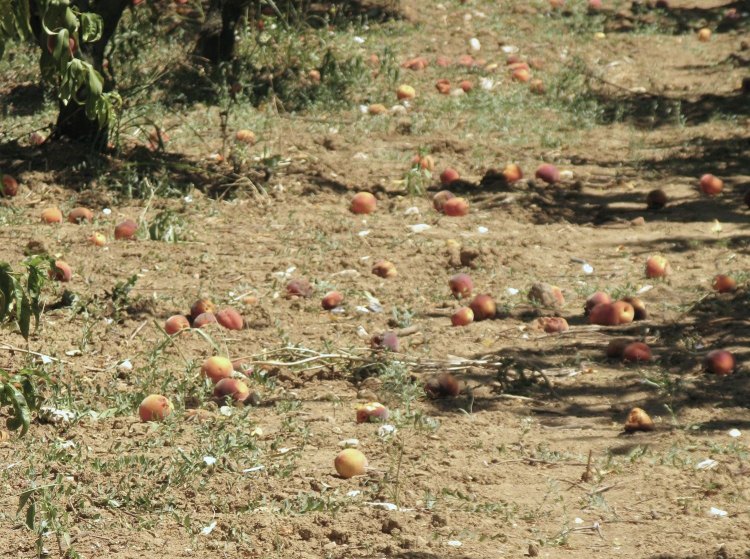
point(30, 515)
point(22, 417)
point(24, 498)
point(24, 317)
point(91, 26)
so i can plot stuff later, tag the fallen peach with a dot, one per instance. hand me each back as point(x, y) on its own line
point(462, 317)
point(719, 362)
point(377, 109)
point(548, 173)
point(553, 324)
point(461, 286)
point(405, 92)
point(299, 287)
point(78, 215)
point(704, 34)
point(98, 239)
point(656, 199)
point(363, 203)
point(204, 319)
point(350, 462)
point(126, 229)
point(483, 307)
point(625, 311)
point(597, 299)
point(657, 267)
point(242, 365)
point(245, 136)
point(595, 5)
point(202, 306)
point(724, 284)
point(639, 308)
point(711, 185)
point(616, 348)
point(155, 408)
point(199, 416)
point(52, 215)
point(61, 271)
point(217, 368)
point(448, 176)
point(443, 86)
point(439, 200)
point(558, 295)
point(372, 412)
point(10, 186)
point(538, 87)
point(232, 388)
point(512, 173)
point(521, 75)
point(314, 76)
point(466, 85)
point(604, 314)
point(456, 207)
point(384, 269)
point(331, 300)
point(426, 162)
point(638, 420)
point(176, 323)
point(449, 386)
point(386, 340)
point(637, 352)
point(443, 62)
point(229, 319)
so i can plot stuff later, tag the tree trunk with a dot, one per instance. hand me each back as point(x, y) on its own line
point(216, 42)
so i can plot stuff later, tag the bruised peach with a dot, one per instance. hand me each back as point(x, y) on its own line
point(299, 287)
point(229, 319)
point(232, 388)
point(242, 365)
point(616, 348)
point(98, 239)
point(176, 323)
point(711, 185)
point(553, 324)
point(656, 199)
point(466, 85)
point(202, 306)
point(638, 420)
point(155, 408)
point(245, 136)
point(604, 314)
point(625, 311)
point(512, 173)
point(456, 207)
point(372, 412)
point(52, 215)
point(637, 352)
point(415, 64)
point(363, 203)
point(548, 173)
point(639, 308)
point(387, 340)
point(10, 186)
point(350, 462)
point(126, 229)
point(719, 362)
point(204, 319)
point(443, 86)
point(483, 307)
point(199, 416)
point(448, 176)
point(439, 200)
point(597, 299)
point(332, 299)
point(217, 368)
point(405, 92)
point(384, 269)
point(448, 385)
point(61, 271)
point(462, 317)
point(78, 215)
point(724, 284)
point(461, 286)
point(657, 267)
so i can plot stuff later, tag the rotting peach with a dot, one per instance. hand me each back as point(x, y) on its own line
point(639, 308)
point(332, 299)
point(61, 271)
point(350, 462)
point(512, 173)
point(719, 362)
point(155, 408)
point(363, 203)
point(98, 239)
point(711, 185)
point(126, 229)
point(522, 75)
point(448, 176)
point(245, 136)
point(462, 317)
point(616, 348)
point(443, 62)
point(299, 287)
point(657, 267)
point(604, 314)
point(405, 92)
point(79, 215)
point(558, 295)
point(456, 207)
point(204, 319)
point(229, 319)
point(217, 368)
point(637, 352)
point(449, 386)
point(386, 340)
point(372, 412)
point(483, 307)
point(385, 269)
point(199, 416)
point(439, 200)
point(656, 199)
point(553, 324)
point(377, 109)
point(597, 299)
point(638, 420)
point(202, 306)
point(176, 323)
point(465, 60)
point(52, 215)
point(548, 173)
point(537, 87)
point(231, 388)
point(723, 283)
point(10, 186)
point(443, 86)
point(466, 85)
point(461, 286)
point(625, 311)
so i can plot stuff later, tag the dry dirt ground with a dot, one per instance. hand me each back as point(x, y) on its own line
point(487, 474)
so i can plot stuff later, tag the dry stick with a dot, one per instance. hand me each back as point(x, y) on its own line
point(12, 349)
point(606, 488)
point(587, 474)
point(538, 461)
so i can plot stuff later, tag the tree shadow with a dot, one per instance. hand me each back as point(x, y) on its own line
point(682, 20)
point(25, 99)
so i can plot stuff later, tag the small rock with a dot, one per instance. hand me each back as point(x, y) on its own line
point(638, 222)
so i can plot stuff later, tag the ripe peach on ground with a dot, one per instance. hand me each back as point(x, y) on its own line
point(558, 294)
point(616, 348)
point(724, 284)
point(10, 186)
point(425, 162)
point(229, 319)
point(639, 308)
point(241, 366)
point(385, 269)
point(232, 387)
point(711, 185)
point(439, 200)
point(204, 319)
point(465, 60)
point(350, 462)
point(638, 420)
point(637, 352)
point(126, 229)
point(657, 267)
point(604, 314)
point(377, 109)
point(466, 85)
point(656, 199)
point(299, 287)
point(61, 271)
point(704, 34)
point(217, 368)
point(176, 323)
point(332, 299)
point(548, 173)
point(443, 86)
point(512, 173)
point(245, 136)
point(522, 75)
point(443, 62)
point(483, 307)
point(363, 203)
point(625, 311)
point(155, 408)
point(98, 239)
point(538, 87)
point(595, 5)
point(448, 176)
point(462, 317)
point(719, 362)
point(372, 412)
point(78, 215)
point(553, 324)
point(202, 306)
point(461, 286)
point(405, 92)
point(456, 207)
point(443, 385)
point(597, 299)
point(314, 76)
point(52, 215)
point(386, 340)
